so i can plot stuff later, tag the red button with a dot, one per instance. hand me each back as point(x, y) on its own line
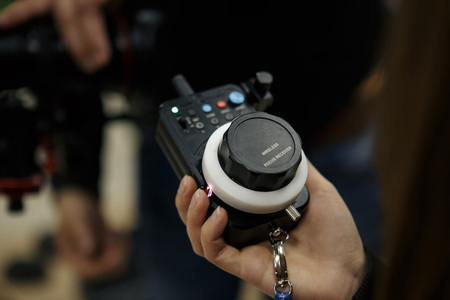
point(221, 104)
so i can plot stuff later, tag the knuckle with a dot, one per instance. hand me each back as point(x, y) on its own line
point(198, 250)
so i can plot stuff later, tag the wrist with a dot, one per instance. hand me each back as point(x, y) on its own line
point(339, 281)
point(355, 275)
point(365, 287)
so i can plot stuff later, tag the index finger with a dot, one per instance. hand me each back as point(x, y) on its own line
point(184, 195)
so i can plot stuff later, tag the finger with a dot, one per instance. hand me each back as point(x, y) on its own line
point(250, 263)
point(196, 216)
point(212, 240)
point(82, 26)
point(184, 195)
point(21, 11)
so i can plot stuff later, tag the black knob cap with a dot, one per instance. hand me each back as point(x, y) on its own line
point(263, 81)
point(260, 151)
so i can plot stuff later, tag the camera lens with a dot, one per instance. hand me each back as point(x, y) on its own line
point(260, 152)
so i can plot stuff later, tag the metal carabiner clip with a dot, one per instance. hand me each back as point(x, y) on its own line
point(277, 238)
point(279, 262)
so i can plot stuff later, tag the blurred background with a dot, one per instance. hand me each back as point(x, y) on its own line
point(33, 55)
point(24, 234)
point(26, 245)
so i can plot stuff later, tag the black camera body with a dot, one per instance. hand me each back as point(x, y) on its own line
point(249, 162)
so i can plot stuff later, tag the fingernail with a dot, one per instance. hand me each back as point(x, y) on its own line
point(216, 214)
point(183, 186)
point(194, 199)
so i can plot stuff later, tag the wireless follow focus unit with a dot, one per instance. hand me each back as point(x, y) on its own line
point(249, 162)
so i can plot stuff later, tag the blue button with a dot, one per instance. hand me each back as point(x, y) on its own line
point(206, 108)
point(236, 98)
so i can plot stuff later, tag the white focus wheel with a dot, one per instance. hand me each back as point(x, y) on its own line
point(241, 198)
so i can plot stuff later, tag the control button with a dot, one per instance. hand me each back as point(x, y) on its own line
point(221, 104)
point(214, 121)
point(206, 108)
point(245, 111)
point(236, 98)
point(229, 116)
point(175, 110)
point(199, 125)
point(191, 112)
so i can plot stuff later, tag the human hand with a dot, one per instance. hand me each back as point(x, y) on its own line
point(84, 242)
point(324, 253)
point(80, 22)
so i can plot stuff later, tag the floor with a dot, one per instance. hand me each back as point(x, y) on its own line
point(20, 234)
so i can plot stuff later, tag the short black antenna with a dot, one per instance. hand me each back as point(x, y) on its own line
point(182, 86)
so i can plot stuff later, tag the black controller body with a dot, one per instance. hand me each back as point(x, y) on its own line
point(183, 129)
point(186, 124)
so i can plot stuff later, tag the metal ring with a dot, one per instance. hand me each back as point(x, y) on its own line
point(282, 284)
point(277, 233)
point(279, 262)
